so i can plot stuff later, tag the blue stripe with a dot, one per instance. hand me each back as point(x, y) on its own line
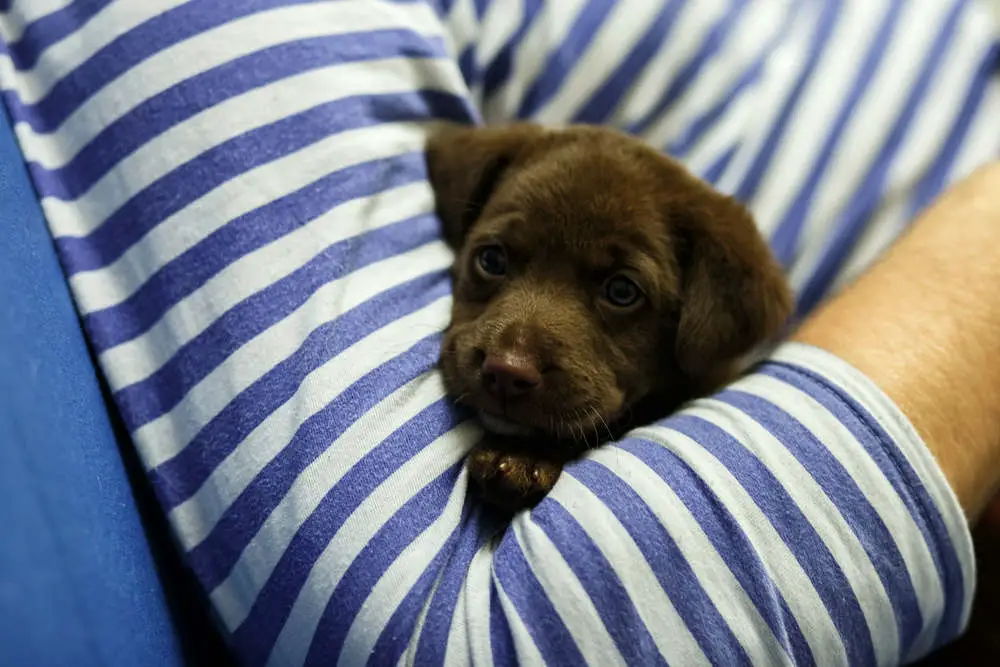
point(602, 103)
point(897, 470)
point(560, 62)
point(128, 50)
point(852, 223)
point(730, 542)
point(825, 24)
point(180, 477)
point(794, 528)
point(687, 74)
point(936, 178)
point(45, 31)
point(396, 635)
point(394, 639)
point(501, 638)
point(160, 392)
point(270, 610)
point(850, 501)
point(371, 564)
point(192, 180)
point(689, 136)
point(498, 71)
point(433, 644)
point(273, 139)
point(176, 104)
point(664, 557)
point(468, 66)
point(597, 576)
point(786, 237)
point(181, 277)
point(713, 172)
point(214, 558)
point(513, 573)
point(257, 634)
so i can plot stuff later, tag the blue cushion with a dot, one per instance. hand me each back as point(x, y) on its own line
point(77, 581)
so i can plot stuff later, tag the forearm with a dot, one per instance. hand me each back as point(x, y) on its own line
point(924, 325)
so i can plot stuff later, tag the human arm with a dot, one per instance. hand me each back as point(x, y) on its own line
point(924, 325)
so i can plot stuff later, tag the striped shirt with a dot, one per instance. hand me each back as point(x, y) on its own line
point(237, 193)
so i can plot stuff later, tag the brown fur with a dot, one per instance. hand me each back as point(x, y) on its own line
point(570, 210)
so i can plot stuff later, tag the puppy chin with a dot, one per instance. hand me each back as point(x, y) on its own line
point(505, 427)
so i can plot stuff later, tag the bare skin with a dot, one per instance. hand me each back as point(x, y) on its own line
point(924, 325)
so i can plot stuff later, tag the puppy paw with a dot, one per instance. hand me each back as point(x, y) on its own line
point(509, 478)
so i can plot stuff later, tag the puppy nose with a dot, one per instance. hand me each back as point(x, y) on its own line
point(510, 375)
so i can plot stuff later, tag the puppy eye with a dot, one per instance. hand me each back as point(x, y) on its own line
point(492, 260)
point(622, 292)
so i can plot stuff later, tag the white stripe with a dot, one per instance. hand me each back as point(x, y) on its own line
point(196, 518)
point(983, 143)
point(351, 538)
point(566, 593)
point(120, 17)
point(667, 628)
point(500, 23)
point(136, 359)
point(114, 284)
point(611, 44)
point(906, 440)
point(397, 581)
point(546, 34)
point(787, 574)
point(884, 227)
point(873, 118)
point(469, 634)
point(863, 471)
point(721, 586)
point(932, 122)
point(255, 109)
point(228, 42)
point(408, 656)
point(747, 43)
point(462, 27)
point(821, 513)
point(728, 132)
point(994, 7)
point(822, 99)
point(524, 646)
point(23, 13)
point(235, 596)
point(784, 67)
point(694, 20)
point(163, 438)
point(79, 46)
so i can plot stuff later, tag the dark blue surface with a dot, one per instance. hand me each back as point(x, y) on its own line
point(78, 583)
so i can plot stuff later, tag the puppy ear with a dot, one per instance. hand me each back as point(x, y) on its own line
point(734, 294)
point(465, 164)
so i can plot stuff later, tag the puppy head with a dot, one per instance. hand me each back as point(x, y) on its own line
point(592, 273)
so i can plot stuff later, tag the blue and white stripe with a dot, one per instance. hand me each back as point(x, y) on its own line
point(237, 193)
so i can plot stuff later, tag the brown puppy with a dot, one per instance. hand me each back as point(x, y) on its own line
point(598, 285)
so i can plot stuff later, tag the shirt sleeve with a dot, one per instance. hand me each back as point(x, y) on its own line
point(795, 518)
